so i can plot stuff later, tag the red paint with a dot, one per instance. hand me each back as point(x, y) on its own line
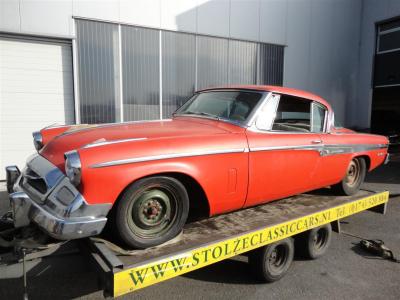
point(230, 181)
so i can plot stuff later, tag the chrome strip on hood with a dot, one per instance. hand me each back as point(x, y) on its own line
point(102, 142)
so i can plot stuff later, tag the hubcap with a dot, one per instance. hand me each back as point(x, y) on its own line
point(277, 258)
point(152, 212)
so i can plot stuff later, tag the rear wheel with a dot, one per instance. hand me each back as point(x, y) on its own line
point(152, 211)
point(355, 176)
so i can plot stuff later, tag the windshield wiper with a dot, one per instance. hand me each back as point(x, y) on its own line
point(200, 113)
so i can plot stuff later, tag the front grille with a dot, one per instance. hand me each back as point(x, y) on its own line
point(35, 181)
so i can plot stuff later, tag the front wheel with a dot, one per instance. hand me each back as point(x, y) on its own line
point(353, 179)
point(152, 211)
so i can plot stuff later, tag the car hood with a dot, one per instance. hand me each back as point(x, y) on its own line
point(79, 136)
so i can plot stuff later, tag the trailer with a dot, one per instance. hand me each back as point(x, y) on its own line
point(269, 234)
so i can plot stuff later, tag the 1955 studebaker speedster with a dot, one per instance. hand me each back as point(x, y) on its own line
point(225, 149)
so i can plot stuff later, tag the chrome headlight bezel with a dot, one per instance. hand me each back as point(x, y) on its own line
point(73, 167)
point(37, 140)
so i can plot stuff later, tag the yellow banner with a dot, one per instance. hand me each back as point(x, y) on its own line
point(136, 278)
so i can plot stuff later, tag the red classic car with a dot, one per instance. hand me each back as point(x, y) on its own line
point(225, 149)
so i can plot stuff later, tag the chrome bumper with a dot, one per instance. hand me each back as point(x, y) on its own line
point(70, 218)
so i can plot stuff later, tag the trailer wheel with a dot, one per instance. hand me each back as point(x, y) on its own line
point(271, 263)
point(315, 242)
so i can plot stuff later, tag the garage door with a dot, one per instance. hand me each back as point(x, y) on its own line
point(36, 90)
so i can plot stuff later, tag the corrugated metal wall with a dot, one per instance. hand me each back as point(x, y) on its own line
point(178, 69)
point(140, 73)
point(212, 61)
point(270, 65)
point(98, 62)
point(242, 62)
point(186, 62)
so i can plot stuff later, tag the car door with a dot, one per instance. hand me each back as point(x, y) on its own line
point(283, 151)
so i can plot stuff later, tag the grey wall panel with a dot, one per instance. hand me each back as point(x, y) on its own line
point(178, 70)
point(183, 58)
point(243, 23)
point(242, 62)
point(140, 73)
point(10, 15)
point(212, 17)
point(212, 61)
point(270, 64)
point(97, 44)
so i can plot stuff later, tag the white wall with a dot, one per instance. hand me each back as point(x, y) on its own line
point(322, 36)
point(322, 39)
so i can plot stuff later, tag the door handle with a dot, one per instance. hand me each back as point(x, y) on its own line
point(316, 142)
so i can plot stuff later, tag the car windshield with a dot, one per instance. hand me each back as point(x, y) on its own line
point(234, 106)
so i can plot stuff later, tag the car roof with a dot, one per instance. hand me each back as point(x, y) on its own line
point(273, 89)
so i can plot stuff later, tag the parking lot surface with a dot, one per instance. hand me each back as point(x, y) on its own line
point(345, 272)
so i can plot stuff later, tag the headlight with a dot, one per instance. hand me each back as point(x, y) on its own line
point(37, 140)
point(73, 167)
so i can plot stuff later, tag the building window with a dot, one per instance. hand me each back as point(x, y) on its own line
point(387, 57)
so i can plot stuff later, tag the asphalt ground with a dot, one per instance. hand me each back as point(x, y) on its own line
point(345, 272)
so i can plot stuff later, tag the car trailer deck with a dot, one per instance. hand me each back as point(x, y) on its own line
point(205, 242)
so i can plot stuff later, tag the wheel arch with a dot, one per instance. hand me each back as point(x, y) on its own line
point(367, 159)
point(199, 206)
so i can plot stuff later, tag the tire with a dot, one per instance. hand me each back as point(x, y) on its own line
point(152, 211)
point(355, 176)
point(270, 263)
point(314, 243)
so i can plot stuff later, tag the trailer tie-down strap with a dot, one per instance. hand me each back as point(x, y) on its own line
point(34, 242)
point(123, 252)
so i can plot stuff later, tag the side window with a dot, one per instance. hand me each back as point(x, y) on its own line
point(318, 113)
point(293, 115)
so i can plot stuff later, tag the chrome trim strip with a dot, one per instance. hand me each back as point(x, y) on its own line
point(294, 147)
point(166, 156)
point(105, 142)
point(325, 150)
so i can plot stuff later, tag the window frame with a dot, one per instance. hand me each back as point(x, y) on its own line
point(273, 115)
point(315, 103)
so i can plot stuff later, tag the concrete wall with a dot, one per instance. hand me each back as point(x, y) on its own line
point(372, 11)
point(322, 36)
